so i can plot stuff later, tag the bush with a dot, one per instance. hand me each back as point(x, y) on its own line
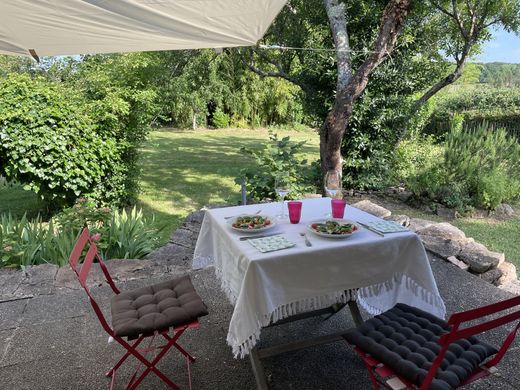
point(418, 153)
point(51, 144)
point(277, 157)
point(480, 167)
point(220, 120)
point(477, 105)
point(123, 235)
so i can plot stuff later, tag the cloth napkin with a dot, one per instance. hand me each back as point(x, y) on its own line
point(386, 226)
point(272, 243)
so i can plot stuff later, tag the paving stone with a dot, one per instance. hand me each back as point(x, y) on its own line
point(11, 313)
point(38, 280)
point(10, 279)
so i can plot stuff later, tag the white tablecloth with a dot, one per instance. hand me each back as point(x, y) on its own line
point(266, 287)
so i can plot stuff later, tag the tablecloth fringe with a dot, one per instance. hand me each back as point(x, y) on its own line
point(411, 286)
point(285, 311)
point(226, 287)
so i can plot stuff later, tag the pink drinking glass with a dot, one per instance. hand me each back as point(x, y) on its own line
point(295, 211)
point(338, 208)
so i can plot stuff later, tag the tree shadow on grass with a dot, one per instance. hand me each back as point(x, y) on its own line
point(187, 171)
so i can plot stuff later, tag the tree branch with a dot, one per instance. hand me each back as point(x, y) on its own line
point(280, 73)
point(392, 20)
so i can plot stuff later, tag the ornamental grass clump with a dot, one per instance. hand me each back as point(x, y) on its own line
point(123, 235)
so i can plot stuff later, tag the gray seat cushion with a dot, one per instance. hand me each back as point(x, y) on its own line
point(157, 307)
point(405, 339)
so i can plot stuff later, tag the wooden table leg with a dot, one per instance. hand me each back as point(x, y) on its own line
point(354, 311)
point(258, 370)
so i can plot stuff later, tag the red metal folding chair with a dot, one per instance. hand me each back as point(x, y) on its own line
point(165, 309)
point(407, 348)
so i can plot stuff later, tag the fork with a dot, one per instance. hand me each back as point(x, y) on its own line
point(307, 241)
point(232, 216)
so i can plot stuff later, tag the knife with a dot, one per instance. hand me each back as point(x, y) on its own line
point(371, 229)
point(258, 236)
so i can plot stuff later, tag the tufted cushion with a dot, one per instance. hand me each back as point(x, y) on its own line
point(157, 307)
point(405, 339)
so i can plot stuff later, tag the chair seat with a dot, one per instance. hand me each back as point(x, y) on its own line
point(405, 339)
point(156, 307)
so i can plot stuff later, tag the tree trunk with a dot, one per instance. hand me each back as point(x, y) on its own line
point(194, 121)
point(350, 87)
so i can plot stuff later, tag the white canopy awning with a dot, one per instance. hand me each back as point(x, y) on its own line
point(67, 27)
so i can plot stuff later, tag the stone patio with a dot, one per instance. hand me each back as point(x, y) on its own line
point(51, 339)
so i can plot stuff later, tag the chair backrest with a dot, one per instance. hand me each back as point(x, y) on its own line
point(82, 269)
point(456, 333)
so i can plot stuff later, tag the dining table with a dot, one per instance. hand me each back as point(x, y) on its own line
point(376, 270)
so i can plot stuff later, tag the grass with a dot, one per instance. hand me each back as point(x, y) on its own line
point(184, 170)
point(17, 201)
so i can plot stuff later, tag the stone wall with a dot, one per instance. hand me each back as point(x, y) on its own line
point(451, 244)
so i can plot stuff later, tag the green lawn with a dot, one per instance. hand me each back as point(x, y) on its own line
point(184, 170)
point(14, 199)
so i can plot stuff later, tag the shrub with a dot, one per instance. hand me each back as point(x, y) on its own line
point(279, 156)
point(220, 119)
point(50, 143)
point(497, 106)
point(123, 235)
point(480, 167)
point(418, 153)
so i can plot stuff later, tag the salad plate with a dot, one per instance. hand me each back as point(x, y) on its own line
point(333, 228)
point(251, 223)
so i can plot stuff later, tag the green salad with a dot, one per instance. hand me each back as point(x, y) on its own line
point(334, 227)
point(251, 222)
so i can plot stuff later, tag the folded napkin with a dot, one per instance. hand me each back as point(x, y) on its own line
point(386, 226)
point(272, 243)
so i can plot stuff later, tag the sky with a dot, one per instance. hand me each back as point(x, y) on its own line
point(503, 47)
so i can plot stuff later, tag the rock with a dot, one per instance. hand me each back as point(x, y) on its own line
point(126, 269)
point(443, 211)
point(184, 237)
point(403, 220)
point(312, 196)
point(504, 211)
point(508, 273)
point(512, 287)
point(196, 216)
point(491, 276)
point(442, 247)
point(462, 265)
point(372, 208)
point(404, 196)
point(479, 258)
point(417, 224)
point(444, 230)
